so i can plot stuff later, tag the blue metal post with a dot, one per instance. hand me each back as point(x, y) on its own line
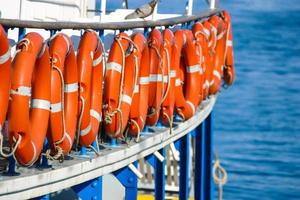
point(199, 168)
point(91, 189)
point(160, 178)
point(129, 180)
point(209, 156)
point(184, 150)
point(21, 34)
point(159, 174)
point(203, 161)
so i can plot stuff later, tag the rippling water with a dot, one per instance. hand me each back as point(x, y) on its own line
point(256, 121)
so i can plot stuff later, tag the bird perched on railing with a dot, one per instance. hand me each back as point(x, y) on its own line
point(143, 11)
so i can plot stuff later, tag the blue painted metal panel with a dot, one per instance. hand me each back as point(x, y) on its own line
point(199, 169)
point(91, 189)
point(209, 157)
point(184, 167)
point(21, 34)
point(203, 161)
point(129, 180)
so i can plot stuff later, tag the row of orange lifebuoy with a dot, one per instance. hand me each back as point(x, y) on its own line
point(144, 81)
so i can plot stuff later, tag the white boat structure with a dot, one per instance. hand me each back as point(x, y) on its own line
point(84, 172)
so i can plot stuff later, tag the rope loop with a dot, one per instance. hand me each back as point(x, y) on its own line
point(219, 175)
point(13, 149)
point(59, 155)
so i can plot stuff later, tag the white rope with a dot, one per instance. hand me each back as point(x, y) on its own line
point(14, 148)
point(138, 129)
point(169, 77)
point(62, 102)
point(220, 176)
point(79, 121)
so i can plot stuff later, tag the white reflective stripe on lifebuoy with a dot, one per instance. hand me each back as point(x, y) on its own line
point(192, 106)
point(144, 80)
point(217, 74)
point(172, 73)
point(220, 35)
point(96, 115)
point(229, 43)
point(40, 103)
point(56, 107)
point(206, 31)
point(71, 87)
point(177, 82)
point(22, 91)
point(98, 60)
point(136, 89)
point(127, 99)
point(210, 43)
point(5, 57)
point(114, 66)
point(155, 78)
point(193, 69)
point(85, 131)
point(211, 82)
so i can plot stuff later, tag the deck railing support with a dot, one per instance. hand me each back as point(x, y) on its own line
point(203, 160)
point(184, 162)
point(91, 189)
point(129, 180)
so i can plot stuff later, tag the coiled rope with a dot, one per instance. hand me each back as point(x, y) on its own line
point(13, 149)
point(219, 175)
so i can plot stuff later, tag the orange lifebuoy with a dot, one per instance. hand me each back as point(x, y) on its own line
point(139, 107)
point(168, 103)
point(5, 72)
point(90, 64)
point(155, 78)
point(30, 83)
point(120, 79)
point(229, 72)
point(219, 55)
point(188, 86)
point(202, 35)
point(64, 95)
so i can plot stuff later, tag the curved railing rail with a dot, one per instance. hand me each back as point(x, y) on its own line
point(12, 23)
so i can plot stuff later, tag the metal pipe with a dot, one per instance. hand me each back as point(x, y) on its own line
point(10, 23)
point(189, 7)
point(212, 4)
point(102, 9)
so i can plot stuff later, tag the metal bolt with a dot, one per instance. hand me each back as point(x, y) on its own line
point(94, 184)
point(130, 180)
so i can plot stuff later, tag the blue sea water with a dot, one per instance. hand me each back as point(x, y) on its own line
point(257, 128)
point(256, 121)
